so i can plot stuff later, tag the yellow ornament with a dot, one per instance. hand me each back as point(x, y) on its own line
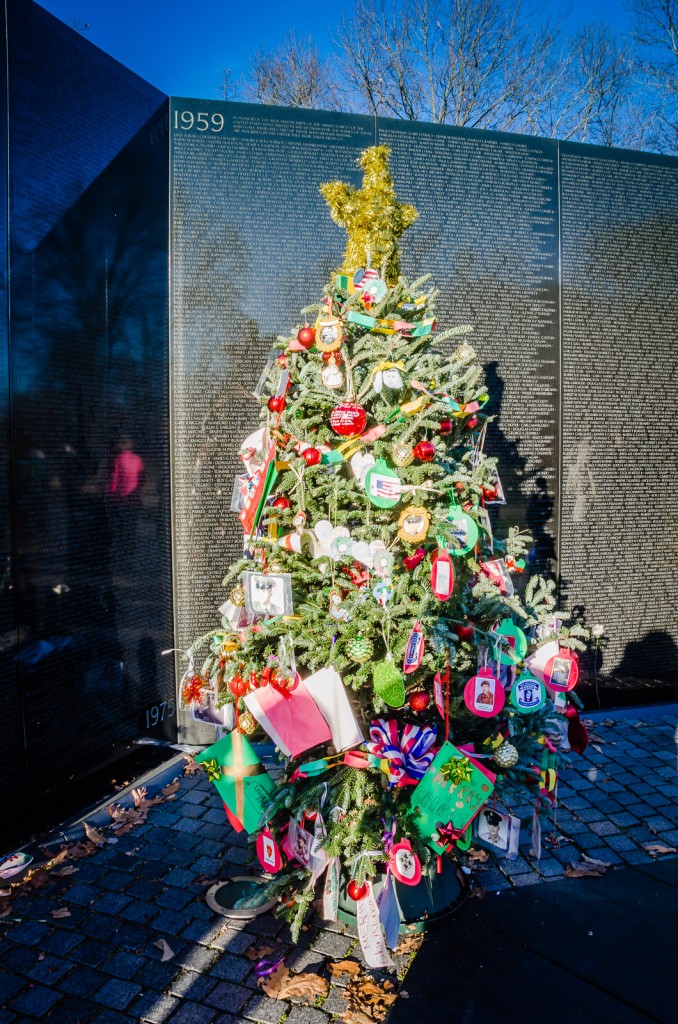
point(328, 334)
point(373, 217)
point(402, 454)
point(237, 596)
point(247, 723)
point(413, 524)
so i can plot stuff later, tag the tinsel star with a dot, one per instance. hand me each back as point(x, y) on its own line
point(458, 770)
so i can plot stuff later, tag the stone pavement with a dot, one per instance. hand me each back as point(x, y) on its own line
point(101, 964)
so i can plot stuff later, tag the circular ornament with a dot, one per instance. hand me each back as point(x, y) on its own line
point(402, 454)
point(238, 686)
point(383, 592)
point(282, 502)
point(561, 672)
point(282, 361)
point(268, 852)
point(404, 863)
point(382, 485)
point(360, 649)
point(463, 529)
point(355, 891)
point(331, 375)
point(506, 755)
point(328, 334)
point(413, 524)
point(237, 596)
point(311, 456)
point(424, 451)
point(247, 723)
point(471, 423)
point(484, 695)
point(306, 337)
point(446, 427)
point(528, 694)
point(517, 642)
point(464, 352)
point(419, 700)
point(375, 291)
point(463, 632)
point(348, 419)
point(277, 403)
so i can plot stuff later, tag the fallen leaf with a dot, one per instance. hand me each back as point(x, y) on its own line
point(5, 910)
point(588, 722)
point(38, 878)
point(602, 865)
point(657, 849)
point(258, 952)
point(368, 1000)
point(93, 835)
point(409, 944)
point(597, 746)
point(70, 869)
point(341, 967)
point(139, 795)
point(165, 949)
point(191, 767)
point(595, 738)
point(61, 912)
point(587, 867)
point(282, 984)
point(477, 893)
point(477, 856)
point(171, 789)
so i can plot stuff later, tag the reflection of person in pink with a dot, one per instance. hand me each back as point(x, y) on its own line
point(125, 495)
point(127, 470)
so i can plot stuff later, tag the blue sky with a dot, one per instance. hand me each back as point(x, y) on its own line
point(182, 46)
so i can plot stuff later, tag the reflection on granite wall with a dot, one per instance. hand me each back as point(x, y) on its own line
point(88, 403)
point(252, 244)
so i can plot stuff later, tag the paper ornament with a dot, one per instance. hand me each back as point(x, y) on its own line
point(348, 419)
point(241, 780)
point(535, 663)
point(404, 864)
point(361, 464)
point(528, 694)
point(413, 524)
point(291, 719)
point(331, 375)
point(442, 575)
point(414, 651)
point(462, 530)
point(268, 852)
point(515, 647)
point(561, 671)
point(449, 796)
point(484, 695)
point(382, 485)
point(383, 592)
point(497, 572)
point(328, 334)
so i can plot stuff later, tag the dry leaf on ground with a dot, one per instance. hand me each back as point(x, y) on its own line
point(205, 880)
point(165, 949)
point(139, 795)
point(609, 722)
point(368, 1000)
point(284, 985)
point(587, 867)
point(258, 952)
point(5, 910)
point(93, 835)
point(477, 856)
point(409, 944)
point(171, 789)
point(61, 912)
point(476, 892)
point(38, 878)
point(191, 766)
point(70, 869)
point(658, 849)
point(340, 967)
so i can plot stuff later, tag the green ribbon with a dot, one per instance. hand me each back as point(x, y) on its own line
point(213, 769)
point(458, 770)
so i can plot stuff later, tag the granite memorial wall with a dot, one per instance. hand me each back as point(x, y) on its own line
point(563, 257)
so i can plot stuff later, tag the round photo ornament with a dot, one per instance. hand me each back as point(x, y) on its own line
point(515, 647)
point(382, 485)
point(528, 694)
point(464, 531)
point(561, 671)
point(328, 334)
point(484, 695)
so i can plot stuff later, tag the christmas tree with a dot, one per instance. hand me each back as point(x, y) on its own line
point(390, 645)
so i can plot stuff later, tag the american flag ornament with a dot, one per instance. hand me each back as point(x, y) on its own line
point(383, 485)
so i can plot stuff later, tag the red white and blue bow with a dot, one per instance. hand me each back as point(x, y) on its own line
point(408, 756)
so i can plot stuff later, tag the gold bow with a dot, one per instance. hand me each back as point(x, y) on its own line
point(457, 770)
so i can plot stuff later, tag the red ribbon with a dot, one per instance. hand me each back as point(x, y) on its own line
point(448, 834)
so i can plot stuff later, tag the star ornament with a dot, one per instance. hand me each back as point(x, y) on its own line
point(457, 770)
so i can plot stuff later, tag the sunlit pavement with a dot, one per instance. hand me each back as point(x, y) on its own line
point(591, 949)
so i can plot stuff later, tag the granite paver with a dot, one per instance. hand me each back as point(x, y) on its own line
point(101, 965)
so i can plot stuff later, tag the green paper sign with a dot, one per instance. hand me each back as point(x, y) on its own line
point(528, 694)
point(440, 800)
point(382, 485)
point(462, 529)
point(245, 786)
point(517, 648)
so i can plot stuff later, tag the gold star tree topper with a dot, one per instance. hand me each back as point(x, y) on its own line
point(372, 216)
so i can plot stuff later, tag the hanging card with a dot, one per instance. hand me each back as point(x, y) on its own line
point(291, 719)
point(331, 890)
point(389, 912)
point(331, 697)
point(370, 933)
point(451, 793)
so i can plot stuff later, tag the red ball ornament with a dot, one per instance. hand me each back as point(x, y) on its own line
point(238, 686)
point(419, 700)
point(311, 456)
point(464, 632)
point(446, 427)
point(306, 337)
point(348, 419)
point(471, 423)
point(282, 361)
point(357, 892)
point(282, 502)
point(424, 451)
point(490, 493)
point(277, 403)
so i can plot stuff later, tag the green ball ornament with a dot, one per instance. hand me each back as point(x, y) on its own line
point(389, 683)
point(360, 649)
point(506, 756)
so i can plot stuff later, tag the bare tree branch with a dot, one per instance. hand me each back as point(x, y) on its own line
point(294, 75)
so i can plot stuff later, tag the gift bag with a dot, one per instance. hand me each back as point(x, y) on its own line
point(450, 795)
point(290, 717)
point(241, 780)
point(329, 693)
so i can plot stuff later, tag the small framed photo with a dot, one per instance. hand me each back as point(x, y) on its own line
point(208, 714)
point(268, 594)
point(328, 334)
point(497, 830)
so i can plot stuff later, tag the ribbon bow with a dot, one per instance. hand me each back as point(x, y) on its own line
point(457, 770)
point(448, 835)
point(408, 756)
point(213, 769)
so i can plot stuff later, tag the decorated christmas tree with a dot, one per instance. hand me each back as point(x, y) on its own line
point(411, 678)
